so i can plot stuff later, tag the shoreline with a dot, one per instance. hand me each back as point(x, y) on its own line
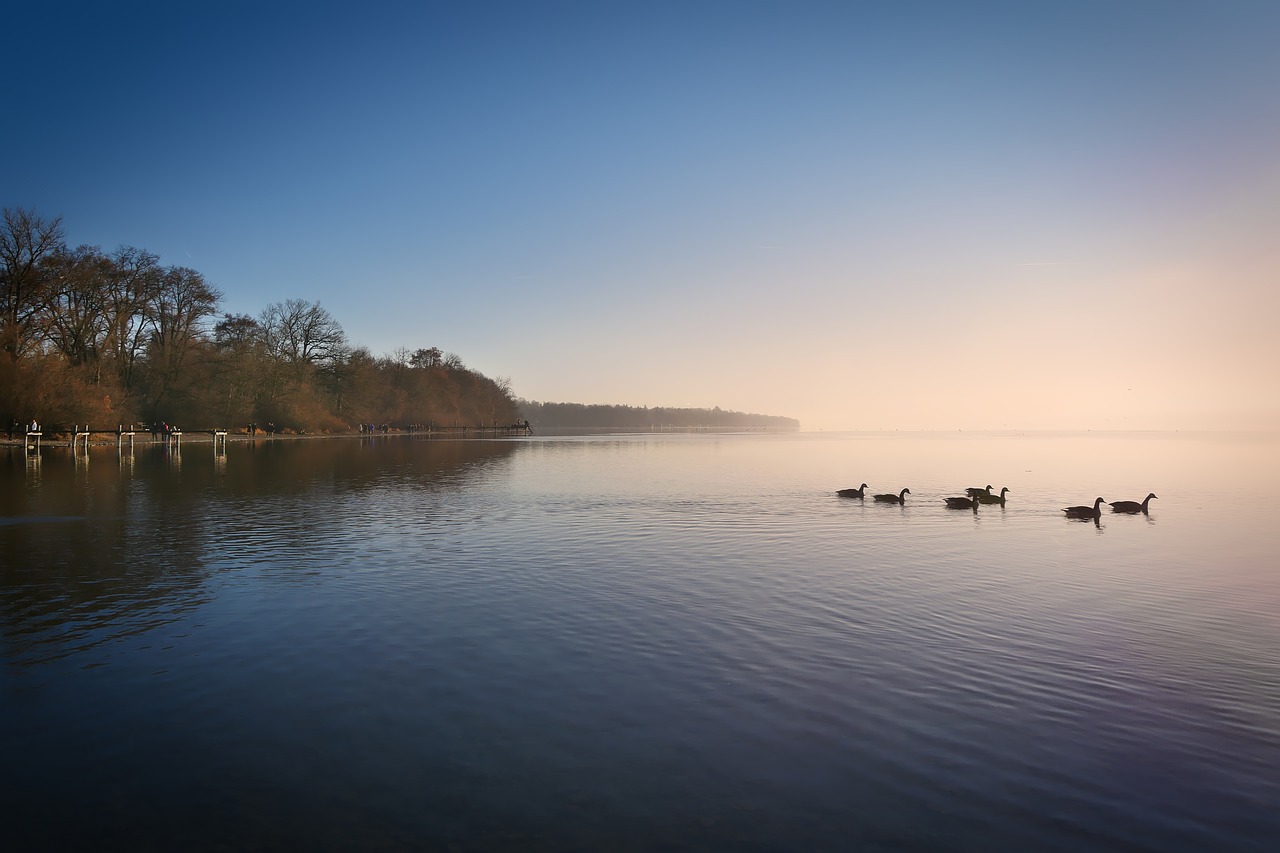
point(143, 438)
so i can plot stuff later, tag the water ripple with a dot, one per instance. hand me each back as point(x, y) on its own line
point(667, 641)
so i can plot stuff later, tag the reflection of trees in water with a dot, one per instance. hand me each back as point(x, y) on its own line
point(97, 552)
point(87, 560)
point(298, 509)
point(297, 467)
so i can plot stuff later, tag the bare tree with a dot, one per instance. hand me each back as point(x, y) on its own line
point(242, 369)
point(182, 302)
point(26, 242)
point(74, 321)
point(179, 309)
point(132, 292)
point(302, 332)
point(237, 333)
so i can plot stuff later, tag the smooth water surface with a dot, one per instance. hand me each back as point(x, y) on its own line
point(641, 642)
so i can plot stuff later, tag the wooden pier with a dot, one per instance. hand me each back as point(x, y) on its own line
point(82, 436)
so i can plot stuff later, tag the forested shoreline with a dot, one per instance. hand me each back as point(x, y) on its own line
point(106, 338)
point(590, 416)
point(97, 338)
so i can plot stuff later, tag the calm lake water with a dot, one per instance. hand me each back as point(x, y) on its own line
point(642, 642)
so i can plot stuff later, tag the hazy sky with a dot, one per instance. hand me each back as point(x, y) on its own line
point(1017, 215)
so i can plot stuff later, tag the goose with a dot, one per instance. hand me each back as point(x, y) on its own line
point(974, 491)
point(962, 503)
point(1084, 511)
point(1132, 506)
point(988, 498)
point(853, 493)
point(894, 499)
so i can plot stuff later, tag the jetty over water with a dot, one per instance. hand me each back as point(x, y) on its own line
point(122, 435)
point(81, 435)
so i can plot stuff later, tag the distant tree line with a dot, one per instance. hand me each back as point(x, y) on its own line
point(104, 338)
point(585, 416)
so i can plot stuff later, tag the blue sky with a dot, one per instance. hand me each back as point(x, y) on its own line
point(906, 215)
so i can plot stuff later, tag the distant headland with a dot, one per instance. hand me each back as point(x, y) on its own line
point(571, 416)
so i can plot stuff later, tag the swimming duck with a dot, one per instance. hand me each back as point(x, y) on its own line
point(974, 491)
point(853, 493)
point(1085, 511)
point(962, 503)
point(988, 498)
point(1132, 506)
point(894, 499)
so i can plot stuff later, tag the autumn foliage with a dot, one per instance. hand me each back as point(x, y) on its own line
point(106, 338)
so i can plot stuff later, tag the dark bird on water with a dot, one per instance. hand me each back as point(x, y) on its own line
point(894, 499)
point(1132, 506)
point(1085, 511)
point(988, 498)
point(974, 491)
point(853, 493)
point(962, 503)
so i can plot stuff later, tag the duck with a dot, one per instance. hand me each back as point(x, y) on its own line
point(894, 499)
point(1132, 506)
point(988, 498)
point(1085, 511)
point(974, 491)
point(853, 493)
point(962, 503)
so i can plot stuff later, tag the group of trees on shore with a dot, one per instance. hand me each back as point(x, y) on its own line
point(579, 416)
point(104, 338)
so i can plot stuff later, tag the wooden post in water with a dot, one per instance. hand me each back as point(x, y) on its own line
point(121, 432)
point(219, 434)
point(26, 444)
point(175, 438)
point(77, 434)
